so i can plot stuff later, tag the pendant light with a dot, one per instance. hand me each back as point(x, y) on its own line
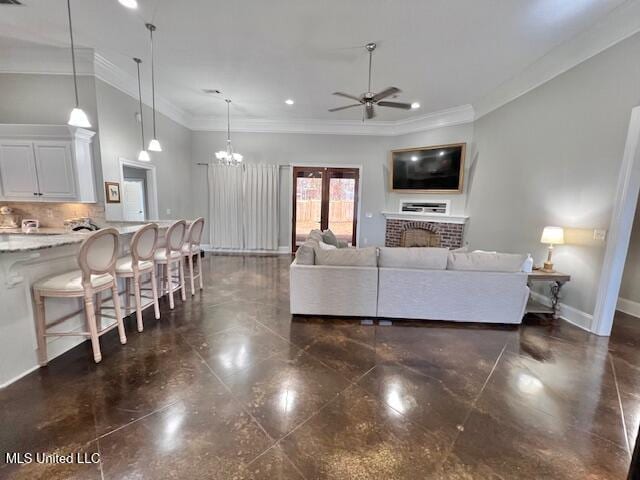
point(77, 118)
point(154, 144)
point(228, 157)
point(143, 155)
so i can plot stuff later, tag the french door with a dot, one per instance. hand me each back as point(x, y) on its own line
point(325, 198)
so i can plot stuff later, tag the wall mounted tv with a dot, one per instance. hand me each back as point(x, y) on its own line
point(437, 169)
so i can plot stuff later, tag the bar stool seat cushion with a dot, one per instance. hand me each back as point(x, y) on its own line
point(125, 265)
point(194, 249)
point(161, 255)
point(71, 282)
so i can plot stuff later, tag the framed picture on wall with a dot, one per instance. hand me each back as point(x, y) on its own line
point(112, 192)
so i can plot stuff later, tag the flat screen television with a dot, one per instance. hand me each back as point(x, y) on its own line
point(437, 169)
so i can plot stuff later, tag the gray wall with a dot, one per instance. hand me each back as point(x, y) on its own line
point(551, 157)
point(48, 100)
point(120, 137)
point(371, 153)
point(630, 288)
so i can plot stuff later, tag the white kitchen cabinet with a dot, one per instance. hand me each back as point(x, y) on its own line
point(18, 175)
point(54, 167)
point(46, 163)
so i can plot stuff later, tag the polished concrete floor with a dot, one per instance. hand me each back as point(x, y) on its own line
point(230, 386)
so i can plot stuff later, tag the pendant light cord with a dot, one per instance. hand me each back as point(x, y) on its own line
point(153, 80)
point(138, 62)
point(229, 148)
point(73, 55)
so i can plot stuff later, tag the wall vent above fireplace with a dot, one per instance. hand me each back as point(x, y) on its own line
point(428, 208)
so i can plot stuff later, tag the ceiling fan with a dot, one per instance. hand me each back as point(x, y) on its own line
point(369, 99)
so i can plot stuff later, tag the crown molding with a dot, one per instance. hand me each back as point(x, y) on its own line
point(44, 60)
point(621, 23)
point(118, 78)
point(443, 118)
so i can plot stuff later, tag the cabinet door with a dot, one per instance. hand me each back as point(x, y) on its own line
point(18, 171)
point(54, 164)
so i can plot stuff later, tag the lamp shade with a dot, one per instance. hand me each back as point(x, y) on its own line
point(552, 235)
point(143, 156)
point(79, 119)
point(154, 145)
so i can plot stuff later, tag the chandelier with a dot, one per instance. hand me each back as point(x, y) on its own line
point(228, 156)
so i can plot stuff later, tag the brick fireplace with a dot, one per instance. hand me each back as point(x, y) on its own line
point(401, 232)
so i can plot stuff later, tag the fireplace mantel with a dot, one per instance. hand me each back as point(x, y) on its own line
point(425, 217)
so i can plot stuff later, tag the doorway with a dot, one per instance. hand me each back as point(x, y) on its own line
point(139, 191)
point(134, 196)
point(325, 198)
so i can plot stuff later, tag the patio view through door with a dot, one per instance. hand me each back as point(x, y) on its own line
point(325, 198)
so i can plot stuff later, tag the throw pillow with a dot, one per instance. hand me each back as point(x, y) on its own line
point(329, 237)
point(306, 253)
point(326, 246)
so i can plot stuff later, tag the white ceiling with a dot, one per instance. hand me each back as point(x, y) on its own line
point(441, 53)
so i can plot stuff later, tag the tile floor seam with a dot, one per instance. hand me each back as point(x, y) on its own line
point(473, 405)
point(275, 445)
point(308, 353)
point(157, 410)
point(624, 424)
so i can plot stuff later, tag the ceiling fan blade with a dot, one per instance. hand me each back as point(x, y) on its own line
point(405, 106)
point(345, 107)
point(370, 112)
point(346, 95)
point(385, 93)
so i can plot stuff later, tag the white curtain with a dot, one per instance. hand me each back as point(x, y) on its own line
point(244, 206)
point(225, 206)
point(261, 207)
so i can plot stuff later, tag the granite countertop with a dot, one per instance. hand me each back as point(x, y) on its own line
point(14, 240)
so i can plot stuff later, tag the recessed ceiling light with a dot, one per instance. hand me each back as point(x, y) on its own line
point(414, 158)
point(129, 3)
point(415, 105)
point(442, 153)
point(288, 101)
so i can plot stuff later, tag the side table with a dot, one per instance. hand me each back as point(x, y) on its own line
point(556, 281)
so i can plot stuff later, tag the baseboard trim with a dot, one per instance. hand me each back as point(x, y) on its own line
point(628, 306)
point(571, 314)
point(18, 377)
point(282, 250)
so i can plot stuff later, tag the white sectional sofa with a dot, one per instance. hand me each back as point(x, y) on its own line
point(412, 283)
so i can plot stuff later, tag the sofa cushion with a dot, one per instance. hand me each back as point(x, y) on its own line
point(485, 262)
point(326, 246)
point(415, 257)
point(306, 253)
point(329, 237)
point(352, 257)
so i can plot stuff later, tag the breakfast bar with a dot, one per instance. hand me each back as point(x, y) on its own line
point(26, 258)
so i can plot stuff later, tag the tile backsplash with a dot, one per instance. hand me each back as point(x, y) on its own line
point(54, 214)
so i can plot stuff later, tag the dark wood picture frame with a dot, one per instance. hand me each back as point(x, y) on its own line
point(108, 193)
point(463, 156)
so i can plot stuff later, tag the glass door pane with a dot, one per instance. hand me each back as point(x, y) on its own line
point(342, 205)
point(308, 207)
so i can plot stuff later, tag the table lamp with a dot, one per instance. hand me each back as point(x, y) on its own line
point(551, 236)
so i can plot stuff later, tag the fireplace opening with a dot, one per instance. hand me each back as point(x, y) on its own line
point(419, 237)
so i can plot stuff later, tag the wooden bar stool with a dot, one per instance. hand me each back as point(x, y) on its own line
point(191, 248)
point(170, 260)
point(132, 267)
point(97, 258)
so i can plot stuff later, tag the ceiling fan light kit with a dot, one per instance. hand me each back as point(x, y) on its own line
point(370, 99)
